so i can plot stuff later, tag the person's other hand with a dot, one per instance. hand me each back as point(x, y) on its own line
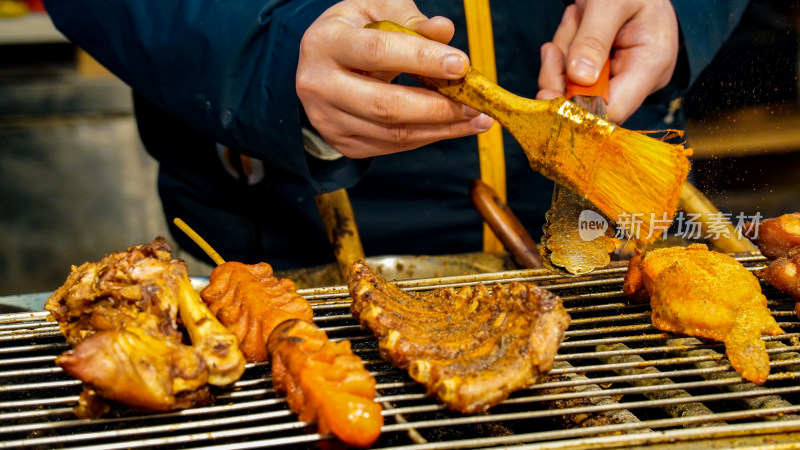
point(644, 35)
point(344, 74)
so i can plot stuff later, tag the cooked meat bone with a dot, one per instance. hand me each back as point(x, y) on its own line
point(218, 346)
point(471, 347)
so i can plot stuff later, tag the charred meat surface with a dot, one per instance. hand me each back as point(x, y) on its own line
point(471, 347)
point(122, 316)
point(706, 294)
point(325, 382)
point(251, 302)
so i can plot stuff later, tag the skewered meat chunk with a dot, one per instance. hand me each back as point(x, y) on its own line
point(471, 347)
point(251, 302)
point(784, 274)
point(777, 235)
point(779, 240)
point(325, 382)
point(706, 294)
point(121, 315)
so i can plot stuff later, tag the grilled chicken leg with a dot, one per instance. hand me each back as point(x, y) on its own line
point(140, 369)
point(776, 236)
point(120, 315)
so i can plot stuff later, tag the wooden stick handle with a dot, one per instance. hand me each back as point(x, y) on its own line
point(491, 152)
point(505, 225)
point(693, 201)
point(340, 225)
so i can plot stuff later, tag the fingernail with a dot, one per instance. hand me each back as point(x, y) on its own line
point(469, 111)
point(455, 65)
point(584, 68)
point(482, 123)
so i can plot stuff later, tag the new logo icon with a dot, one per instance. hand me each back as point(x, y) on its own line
point(591, 225)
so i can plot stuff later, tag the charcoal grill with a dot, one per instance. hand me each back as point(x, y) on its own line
point(617, 382)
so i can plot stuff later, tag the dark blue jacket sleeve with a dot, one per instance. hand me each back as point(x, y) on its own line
point(705, 26)
point(227, 68)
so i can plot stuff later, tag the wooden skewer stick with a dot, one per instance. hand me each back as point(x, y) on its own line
point(198, 240)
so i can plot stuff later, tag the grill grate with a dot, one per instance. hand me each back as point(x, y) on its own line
point(616, 382)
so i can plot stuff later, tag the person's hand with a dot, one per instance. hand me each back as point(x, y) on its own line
point(644, 35)
point(344, 74)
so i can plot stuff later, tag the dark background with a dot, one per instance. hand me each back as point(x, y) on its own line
point(76, 184)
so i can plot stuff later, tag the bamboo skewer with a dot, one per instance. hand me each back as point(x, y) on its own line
point(199, 241)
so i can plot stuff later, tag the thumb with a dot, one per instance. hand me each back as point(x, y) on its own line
point(592, 44)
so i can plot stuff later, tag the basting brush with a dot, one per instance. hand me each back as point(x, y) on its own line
point(632, 178)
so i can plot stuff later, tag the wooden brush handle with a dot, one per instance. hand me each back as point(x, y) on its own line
point(340, 225)
point(692, 201)
point(474, 90)
point(505, 225)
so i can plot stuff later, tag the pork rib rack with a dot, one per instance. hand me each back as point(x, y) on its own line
point(471, 347)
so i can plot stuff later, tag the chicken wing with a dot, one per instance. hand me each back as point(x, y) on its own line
point(706, 294)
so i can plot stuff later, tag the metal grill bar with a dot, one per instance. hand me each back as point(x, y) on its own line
point(610, 364)
point(632, 440)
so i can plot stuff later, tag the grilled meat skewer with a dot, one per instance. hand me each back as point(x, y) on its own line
point(324, 382)
point(778, 239)
point(251, 302)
